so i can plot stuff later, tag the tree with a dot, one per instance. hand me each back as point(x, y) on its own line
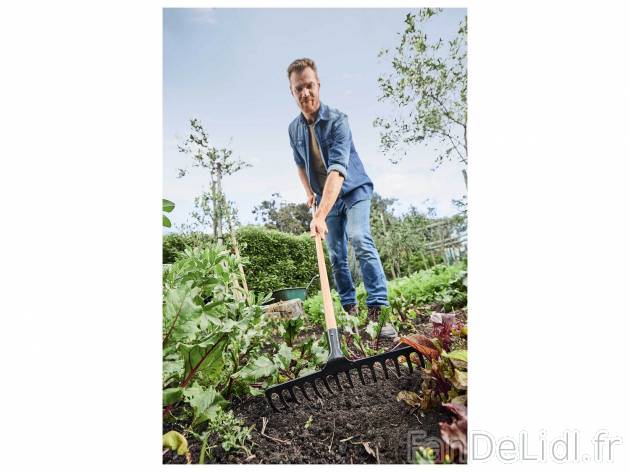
point(382, 222)
point(413, 240)
point(428, 85)
point(294, 218)
point(219, 162)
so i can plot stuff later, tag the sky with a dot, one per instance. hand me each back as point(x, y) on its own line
point(227, 67)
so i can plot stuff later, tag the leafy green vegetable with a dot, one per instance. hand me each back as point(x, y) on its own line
point(261, 367)
point(205, 402)
point(284, 356)
point(171, 395)
point(461, 355)
point(205, 357)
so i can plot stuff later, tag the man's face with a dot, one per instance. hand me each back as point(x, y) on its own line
point(305, 90)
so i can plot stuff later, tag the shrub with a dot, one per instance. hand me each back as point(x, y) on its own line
point(272, 259)
point(277, 260)
point(174, 244)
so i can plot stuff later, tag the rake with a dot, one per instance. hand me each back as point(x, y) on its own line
point(337, 363)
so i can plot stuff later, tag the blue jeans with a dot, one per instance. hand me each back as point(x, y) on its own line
point(354, 223)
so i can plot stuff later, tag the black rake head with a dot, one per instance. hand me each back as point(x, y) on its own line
point(285, 392)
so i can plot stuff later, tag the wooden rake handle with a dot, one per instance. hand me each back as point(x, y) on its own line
point(329, 311)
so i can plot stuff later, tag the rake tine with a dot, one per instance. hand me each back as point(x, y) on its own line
point(270, 401)
point(360, 369)
point(373, 373)
point(349, 379)
point(384, 365)
point(327, 386)
point(338, 383)
point(292, 395)
point(397, 367)
point(317, 392)
point(304, 393)
point(408, 358)
point(284, 402)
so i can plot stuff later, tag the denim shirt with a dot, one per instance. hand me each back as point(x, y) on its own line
point(337, 149)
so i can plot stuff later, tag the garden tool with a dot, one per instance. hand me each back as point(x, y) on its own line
point(337, 363)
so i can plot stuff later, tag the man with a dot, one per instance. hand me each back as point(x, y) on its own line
point(333, 177)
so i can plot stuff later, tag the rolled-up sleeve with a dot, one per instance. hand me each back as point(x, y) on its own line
point(339, 149)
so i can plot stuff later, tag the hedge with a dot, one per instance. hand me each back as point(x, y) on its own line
point(273, 259)
point(279, 260)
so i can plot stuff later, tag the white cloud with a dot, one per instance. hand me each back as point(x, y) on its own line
point(413, 182)
point(204, 15)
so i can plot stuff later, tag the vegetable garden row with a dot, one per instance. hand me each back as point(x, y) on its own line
point(221, 349)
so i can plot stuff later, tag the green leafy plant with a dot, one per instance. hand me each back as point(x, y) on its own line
point(278, 260)
point(309, 422)
point(446, 376)
point(167, 206)
point(425, 455)
point(231, 431)
point(292, 328)
point(212, 329)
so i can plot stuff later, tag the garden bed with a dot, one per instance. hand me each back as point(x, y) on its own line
point(220, 351)
point(338, 430)
point(363, 425)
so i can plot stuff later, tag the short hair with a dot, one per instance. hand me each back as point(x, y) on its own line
point(300, 64)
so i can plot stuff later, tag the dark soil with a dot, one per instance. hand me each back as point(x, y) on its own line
point(340, 427)
point(364, 425)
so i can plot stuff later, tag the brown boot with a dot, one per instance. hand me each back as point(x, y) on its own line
point(351, 309)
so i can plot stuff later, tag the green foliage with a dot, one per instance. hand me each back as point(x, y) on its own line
point(174, 244)
point(292, 328)
point(314, 308)
point(272, 259)
point(445, 376)
point(218, 341)
point(230, 430)
point(404, 242)
point(212, 209)
point(205, 402)
point(309, 422)
point(277, 260)
point(294, 218)
point(211, 329)
point(172, 395)
point(425, 455)
point(167, 206)
point(428, 86)
point(261, 367)
point(441, 285)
